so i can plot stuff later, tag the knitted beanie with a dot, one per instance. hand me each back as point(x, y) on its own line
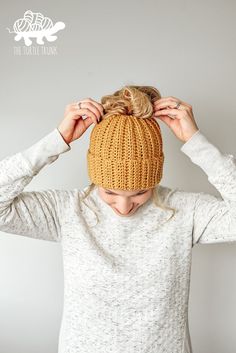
point(126, 153)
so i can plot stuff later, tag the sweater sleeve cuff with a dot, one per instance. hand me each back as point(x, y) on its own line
point(45, 151)
point(203, 153)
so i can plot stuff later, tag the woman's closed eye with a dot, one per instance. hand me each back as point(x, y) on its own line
point(111, 193)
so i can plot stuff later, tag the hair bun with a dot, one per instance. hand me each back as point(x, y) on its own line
point(131, 100)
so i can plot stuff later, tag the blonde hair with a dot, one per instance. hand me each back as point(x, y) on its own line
point(138, 101)
point(131, 100)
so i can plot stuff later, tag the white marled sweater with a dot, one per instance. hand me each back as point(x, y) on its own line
point(126, 280)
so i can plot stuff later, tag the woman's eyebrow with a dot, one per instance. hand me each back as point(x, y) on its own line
point(118, 194)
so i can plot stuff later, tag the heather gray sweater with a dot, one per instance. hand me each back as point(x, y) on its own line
point(126, 279)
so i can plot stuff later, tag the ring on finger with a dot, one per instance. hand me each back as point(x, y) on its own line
point(79, 104)
point(178, 103)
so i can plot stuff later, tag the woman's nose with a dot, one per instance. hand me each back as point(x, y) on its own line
point(124, 209)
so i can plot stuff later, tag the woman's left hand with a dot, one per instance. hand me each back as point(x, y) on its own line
point(180, 120)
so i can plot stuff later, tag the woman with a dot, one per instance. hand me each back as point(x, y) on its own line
point(126, 239)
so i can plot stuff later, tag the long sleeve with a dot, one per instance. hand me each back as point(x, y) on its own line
point(31, 213)
point(214, 218)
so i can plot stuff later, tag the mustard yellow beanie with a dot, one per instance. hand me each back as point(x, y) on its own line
point(126, 153)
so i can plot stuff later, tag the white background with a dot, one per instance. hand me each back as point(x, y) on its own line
point(185, 49)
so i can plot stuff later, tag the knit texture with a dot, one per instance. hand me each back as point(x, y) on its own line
point(126, 278)
point(126, 152)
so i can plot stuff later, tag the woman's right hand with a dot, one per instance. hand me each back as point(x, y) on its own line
point(73, 125)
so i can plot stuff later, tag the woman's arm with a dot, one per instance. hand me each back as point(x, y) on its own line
point(214, 219)
point(36, 213)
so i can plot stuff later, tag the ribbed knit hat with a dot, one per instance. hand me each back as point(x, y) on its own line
point(126, 153)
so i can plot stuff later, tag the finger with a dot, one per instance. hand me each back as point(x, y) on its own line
point(164, 99)
point(87, 122)
point(96, 114)
point(172, 112)
point(98, 105)
point(91, 107)
point(68, 107)
point(169, 98)
point(169, 101)
point(171, 105)
point(165, 119)
point(85, 111)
